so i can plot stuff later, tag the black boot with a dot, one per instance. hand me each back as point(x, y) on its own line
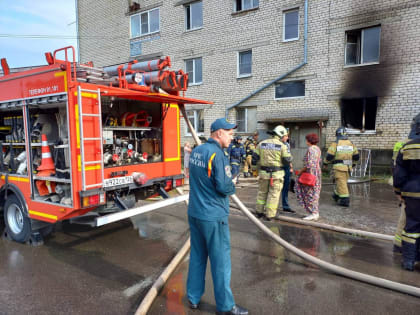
point(344, 202)
point(409, 252)
point(335, 196)
point(236, 310)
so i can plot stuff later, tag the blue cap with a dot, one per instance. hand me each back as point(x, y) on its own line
point(221, 123)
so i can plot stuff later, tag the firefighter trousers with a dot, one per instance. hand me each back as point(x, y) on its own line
point(400, 227)
point(411, 233)
point(268, 196)
point(247, 164)
point(341, 188)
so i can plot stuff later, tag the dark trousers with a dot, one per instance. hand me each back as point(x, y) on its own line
point(411, 233)
point(210, 239)
point(285, 190)
point(236, 167)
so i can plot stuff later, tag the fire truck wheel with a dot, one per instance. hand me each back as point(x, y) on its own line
point(18, 225)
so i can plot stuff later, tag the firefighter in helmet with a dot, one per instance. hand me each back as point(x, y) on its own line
point(250, 146)
point(236, 153)
point(270, 156)
point(407, 181)
point(342, 154)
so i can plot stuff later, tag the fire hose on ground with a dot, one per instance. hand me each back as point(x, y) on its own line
point(160, 282)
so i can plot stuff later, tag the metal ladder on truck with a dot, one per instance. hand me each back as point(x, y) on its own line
point(85, 164)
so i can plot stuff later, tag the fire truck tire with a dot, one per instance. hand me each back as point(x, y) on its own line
point(18, 225)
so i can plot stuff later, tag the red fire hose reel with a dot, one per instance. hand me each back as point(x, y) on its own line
point(139, 119)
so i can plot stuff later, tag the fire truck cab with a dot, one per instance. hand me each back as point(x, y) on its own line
point(75, 139)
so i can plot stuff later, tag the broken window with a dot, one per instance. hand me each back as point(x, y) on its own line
point(290, 89)
point(241, 5)
point(194, 15)
point(362, 46)
point(359, 113)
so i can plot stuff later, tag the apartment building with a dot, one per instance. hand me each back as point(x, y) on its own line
point(311, 65)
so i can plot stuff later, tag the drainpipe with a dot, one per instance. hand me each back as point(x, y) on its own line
point(76, 3)
point(305, 52)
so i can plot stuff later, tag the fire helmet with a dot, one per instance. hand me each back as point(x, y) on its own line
point(415, 127)
point(341, 133)
point(280, 131)
point(237, 138)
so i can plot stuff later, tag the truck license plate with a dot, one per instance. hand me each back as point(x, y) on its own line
point(118, 181)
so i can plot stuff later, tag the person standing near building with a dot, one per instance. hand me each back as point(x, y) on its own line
point(208, 211)
point(308, 196)
point(407, 181)
point(270, 157)
point(401, 221)
point(342, 154)
point(236, 153)
point(250, 146)
point(288, 169)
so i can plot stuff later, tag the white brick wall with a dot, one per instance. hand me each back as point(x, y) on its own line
point(104, 39)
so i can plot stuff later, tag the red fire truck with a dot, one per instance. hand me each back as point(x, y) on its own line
point(75, 139)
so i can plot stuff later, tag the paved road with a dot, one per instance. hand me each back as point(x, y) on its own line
point(108, 270)
point(90, 271)
point(268, 280)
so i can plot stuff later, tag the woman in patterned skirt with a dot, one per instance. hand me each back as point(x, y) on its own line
point(308, 196)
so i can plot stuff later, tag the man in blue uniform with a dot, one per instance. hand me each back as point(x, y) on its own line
point(208, 211)
point(407, 180)
point(237, 154)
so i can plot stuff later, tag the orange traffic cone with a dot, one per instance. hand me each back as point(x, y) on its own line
point(47, 167)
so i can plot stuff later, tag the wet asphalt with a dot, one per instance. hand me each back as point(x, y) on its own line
point(107, 270)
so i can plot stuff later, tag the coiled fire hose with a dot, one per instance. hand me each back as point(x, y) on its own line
point(160, 282)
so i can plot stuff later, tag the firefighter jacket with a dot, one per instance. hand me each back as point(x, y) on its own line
point(407, 170)
point(271, 156)
point(342, 154)
point(250, 147)
point(210, 182)
point(236, 152)
point(397, 146)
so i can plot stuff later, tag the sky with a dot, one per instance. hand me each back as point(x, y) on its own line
point(29, 28)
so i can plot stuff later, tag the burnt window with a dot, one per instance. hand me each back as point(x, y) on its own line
point(362, 46)
point(359, 113)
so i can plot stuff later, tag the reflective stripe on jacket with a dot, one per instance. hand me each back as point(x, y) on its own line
point(407, 169)
point(342, 154)
point(210, 182)
point(272, 153)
